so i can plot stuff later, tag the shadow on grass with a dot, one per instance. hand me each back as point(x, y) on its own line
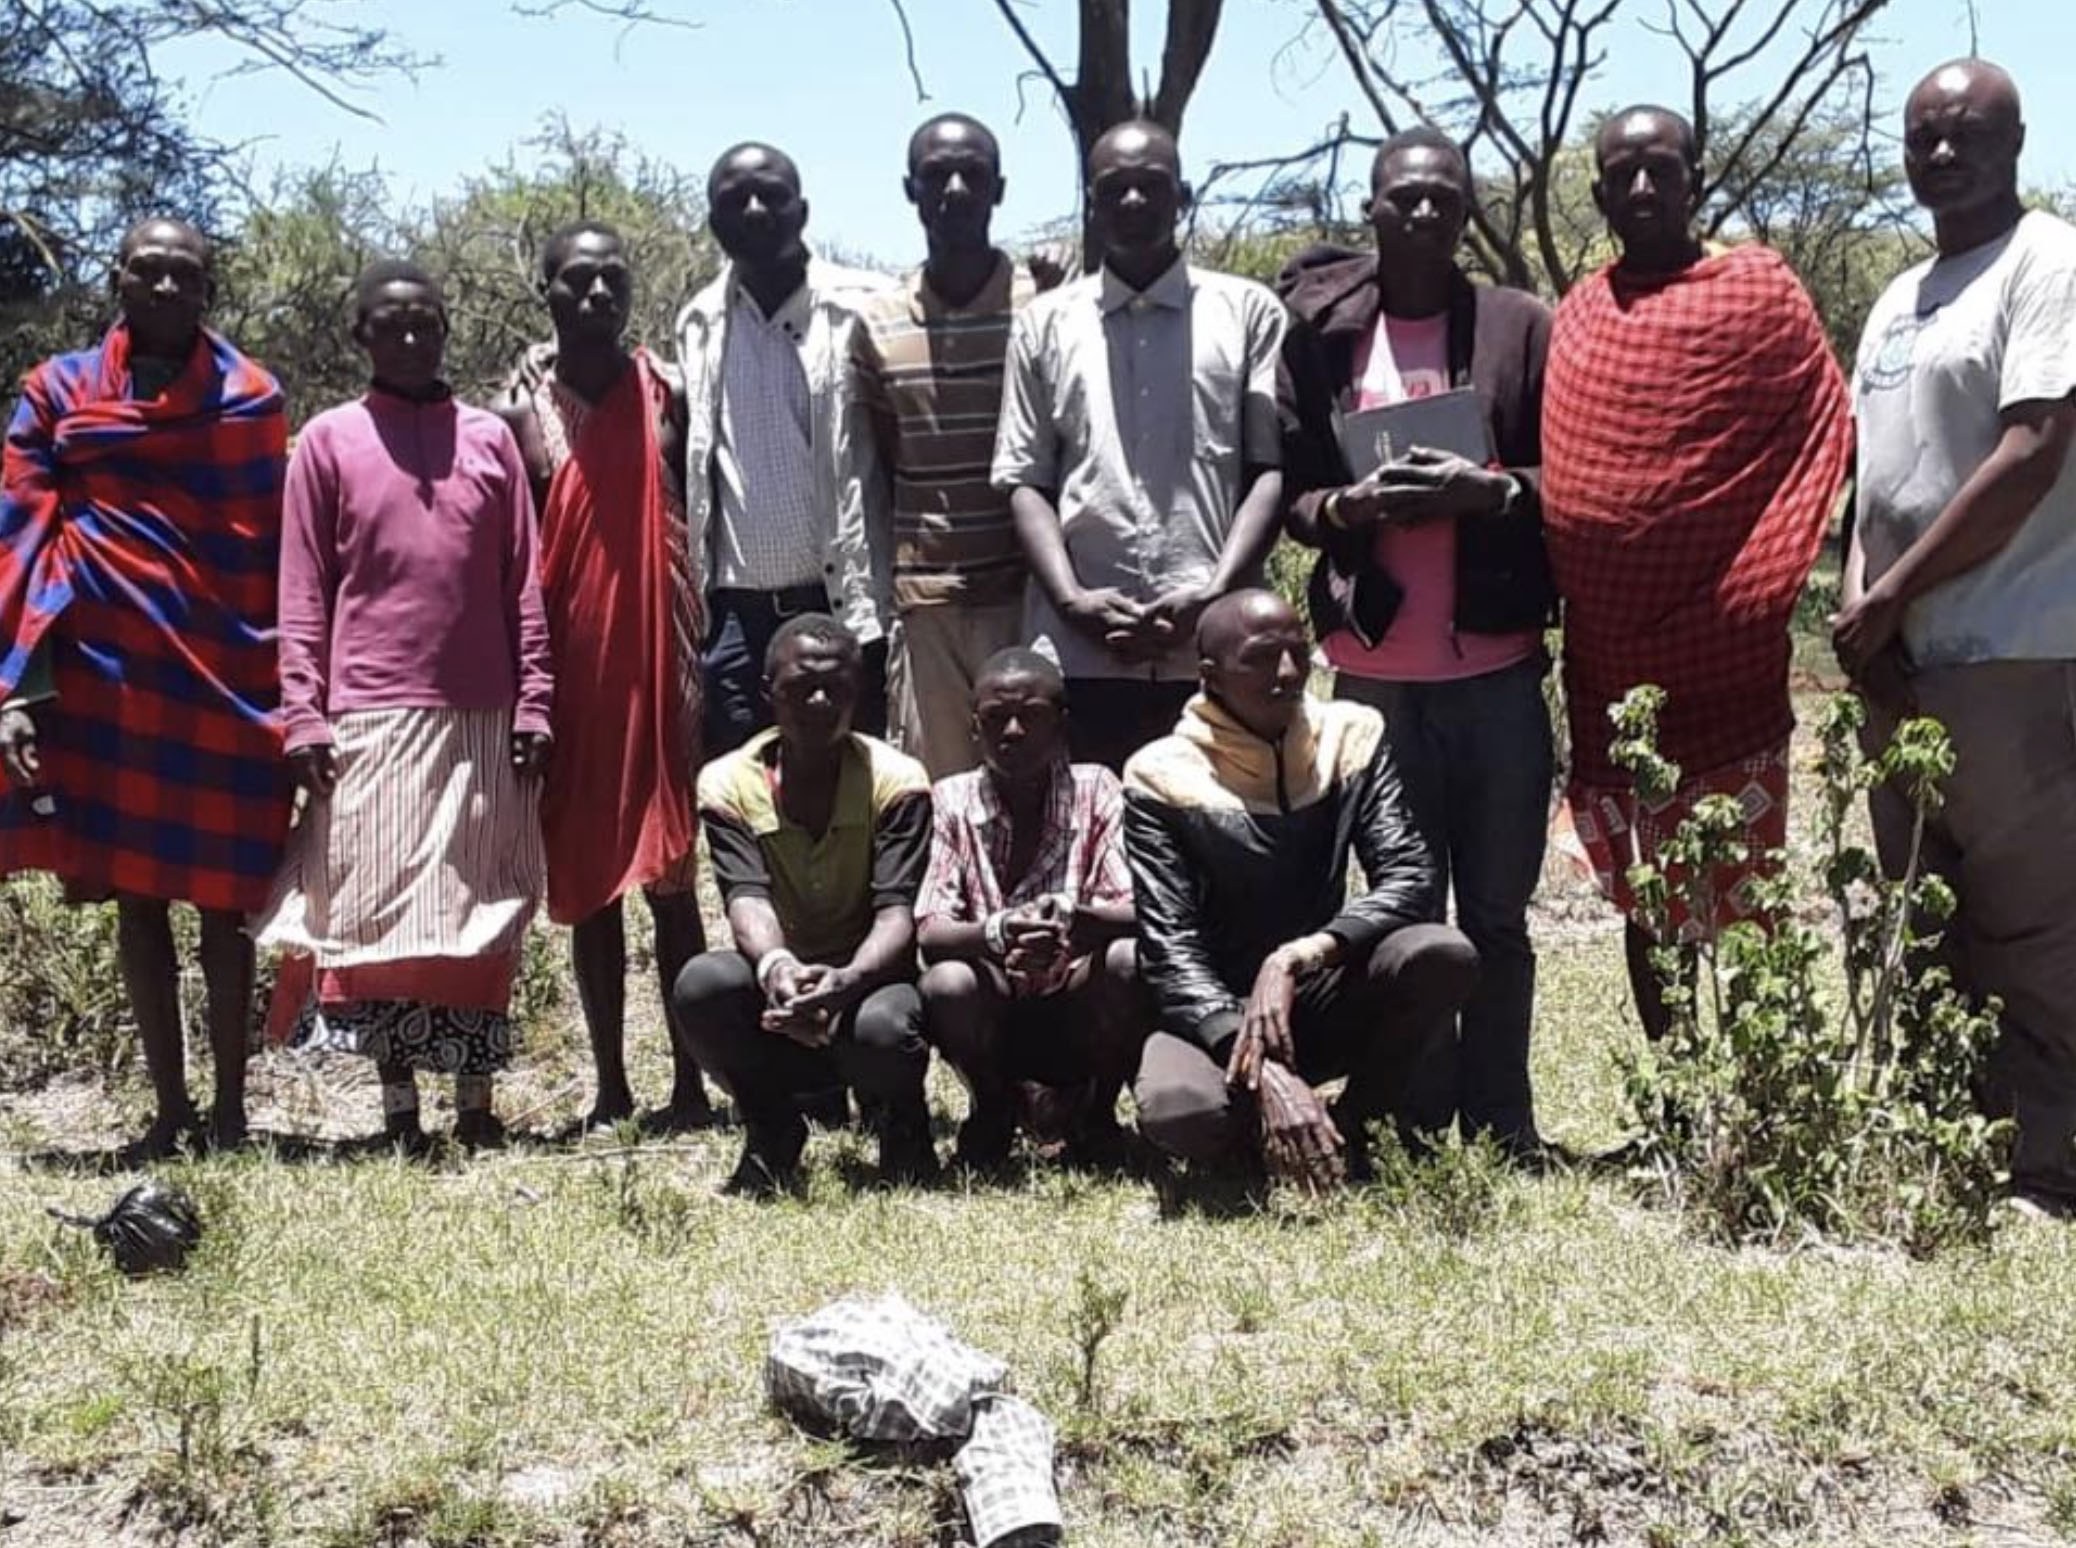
point(263, 1145)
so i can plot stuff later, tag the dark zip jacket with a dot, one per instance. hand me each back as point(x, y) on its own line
point(1238, 845)
point(1498, 340)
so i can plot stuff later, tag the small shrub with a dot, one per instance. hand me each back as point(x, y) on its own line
point(62, 1004)
point(1815, 1081)
point(1098, 1311)
point(542, 987)
point(1452, 1191)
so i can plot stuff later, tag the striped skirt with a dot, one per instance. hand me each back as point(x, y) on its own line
point(414, 881)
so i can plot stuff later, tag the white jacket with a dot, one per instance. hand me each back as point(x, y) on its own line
point(850, 488)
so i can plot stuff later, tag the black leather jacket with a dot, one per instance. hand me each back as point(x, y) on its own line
point(1238, 845)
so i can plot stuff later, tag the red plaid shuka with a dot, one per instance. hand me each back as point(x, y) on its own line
point(140, 539)
point(1696, 434)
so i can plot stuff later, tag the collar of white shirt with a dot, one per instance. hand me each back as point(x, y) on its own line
point(791, 318)
point(1171, 291)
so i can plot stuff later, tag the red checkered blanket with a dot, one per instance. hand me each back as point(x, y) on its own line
point(140, 539)
point(1696, 435)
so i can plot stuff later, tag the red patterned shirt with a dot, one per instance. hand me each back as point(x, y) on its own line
point(1080, 854)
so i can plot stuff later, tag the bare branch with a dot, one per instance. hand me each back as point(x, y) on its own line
point(915, 73)
point(1039, 57)
point(635, 13)
point(1359, 66)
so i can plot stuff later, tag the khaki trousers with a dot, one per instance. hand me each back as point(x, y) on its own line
point(2006, 841)
point(938, 651)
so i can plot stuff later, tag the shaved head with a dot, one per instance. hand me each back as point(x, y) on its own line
point(1647, 185)
point(1646, 123)
point(1228, 622)
point(164, 231)
point(1139, 141)
point(164, 283)
point(1136, 197)
point(1019, 663)
point(953, 129)
point(753, 155)
point(1984, 86)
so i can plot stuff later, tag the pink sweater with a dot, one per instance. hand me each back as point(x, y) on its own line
point(408, 572)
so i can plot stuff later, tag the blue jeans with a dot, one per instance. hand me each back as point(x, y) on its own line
point(739, 628)
point(1475, 759)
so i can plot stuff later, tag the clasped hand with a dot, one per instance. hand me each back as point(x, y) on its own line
point(1423, 485)
point(1039, 936)
point(803, 999)
point(1138, 631)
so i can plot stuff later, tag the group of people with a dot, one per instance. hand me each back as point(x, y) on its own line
point(935, 606)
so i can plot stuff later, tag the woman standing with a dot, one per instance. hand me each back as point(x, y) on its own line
point(415, 692)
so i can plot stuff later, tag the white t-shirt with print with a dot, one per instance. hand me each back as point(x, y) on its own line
point(1948, 347)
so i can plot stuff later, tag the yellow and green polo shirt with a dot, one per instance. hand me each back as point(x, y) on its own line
point(825, 888)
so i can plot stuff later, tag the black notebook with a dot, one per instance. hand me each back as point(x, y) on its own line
point(1447, 421)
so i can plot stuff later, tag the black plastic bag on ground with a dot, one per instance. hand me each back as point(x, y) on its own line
point(149, 1230)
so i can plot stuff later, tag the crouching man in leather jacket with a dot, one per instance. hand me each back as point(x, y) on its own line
point(1266, 975)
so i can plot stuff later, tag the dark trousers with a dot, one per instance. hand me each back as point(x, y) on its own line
point(1085, 1033)
point(1474, 757)
point(1110, 718)
point(739, 628)
point(1385, 1025)
point(878, 1051)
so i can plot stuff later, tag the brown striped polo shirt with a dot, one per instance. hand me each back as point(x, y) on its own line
point(931, 377)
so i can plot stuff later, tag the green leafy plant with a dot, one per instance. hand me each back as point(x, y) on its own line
point(1818, 1078)
point(62, 1004)
point(1098, 1311)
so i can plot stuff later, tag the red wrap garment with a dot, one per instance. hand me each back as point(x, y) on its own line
point(618, 807)
point(1696, 435)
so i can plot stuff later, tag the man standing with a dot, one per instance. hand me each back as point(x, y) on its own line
point(1266, 977)
point(1435, 573)
point(1139, 448)
point(140, 521)
point(929, 372)
point(1696, 436)
point(1026, 919)
point(1960, 590)
point(783, 493)
point(599, 430)
point(820, 838)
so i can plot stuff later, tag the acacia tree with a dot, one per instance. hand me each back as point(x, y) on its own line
point(92, 136)
point(1762, 81)
point(287, 273)
point(1102, 93)
point(485, 243)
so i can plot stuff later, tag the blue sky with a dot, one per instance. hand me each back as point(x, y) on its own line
point(825, 79)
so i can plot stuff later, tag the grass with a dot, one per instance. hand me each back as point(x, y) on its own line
point(562, 1347)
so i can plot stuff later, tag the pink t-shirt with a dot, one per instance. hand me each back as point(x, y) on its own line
point(1404, 358)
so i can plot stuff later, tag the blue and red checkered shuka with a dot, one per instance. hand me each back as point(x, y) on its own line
point(140, 538)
